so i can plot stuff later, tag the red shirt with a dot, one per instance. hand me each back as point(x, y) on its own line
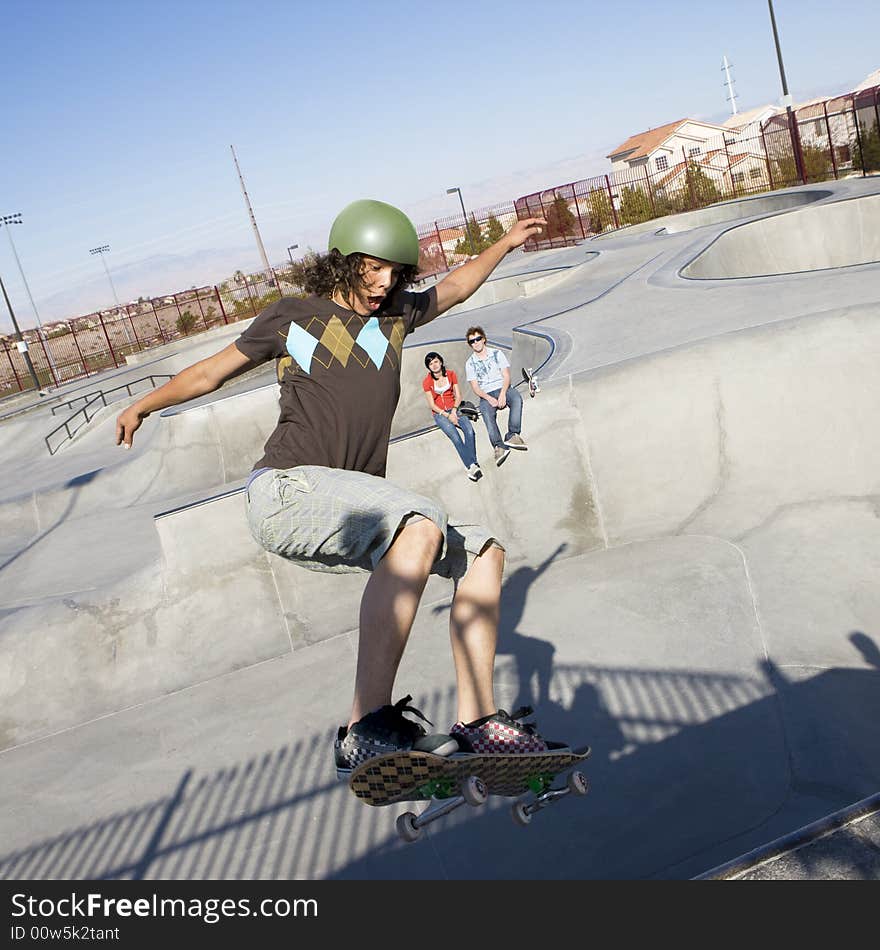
point(446, 400)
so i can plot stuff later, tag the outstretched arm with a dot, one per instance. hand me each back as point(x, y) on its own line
point(197, 380)
point(464, 280)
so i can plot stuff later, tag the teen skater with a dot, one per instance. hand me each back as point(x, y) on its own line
point(318, 496)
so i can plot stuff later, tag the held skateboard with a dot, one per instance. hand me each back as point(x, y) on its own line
point(531, 377)
point(467, 779)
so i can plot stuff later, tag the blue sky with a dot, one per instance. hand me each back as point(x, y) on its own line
point(118, 116)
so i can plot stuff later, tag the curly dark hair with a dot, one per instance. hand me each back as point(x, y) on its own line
point(324, 274)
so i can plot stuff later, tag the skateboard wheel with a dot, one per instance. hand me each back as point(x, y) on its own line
point(406, 827)
point(474, 791)
point(578, 783)
point(519, 814)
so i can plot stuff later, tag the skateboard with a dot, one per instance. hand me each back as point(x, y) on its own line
point(467, 779)
point(531, 377)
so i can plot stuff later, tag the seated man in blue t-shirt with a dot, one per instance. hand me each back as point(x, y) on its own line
point(488, 371)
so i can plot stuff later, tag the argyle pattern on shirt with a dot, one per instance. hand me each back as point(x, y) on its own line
point(325, 339)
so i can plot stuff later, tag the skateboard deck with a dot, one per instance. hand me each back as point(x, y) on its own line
point(419, 776)
point(467, 779)
point(531, 377)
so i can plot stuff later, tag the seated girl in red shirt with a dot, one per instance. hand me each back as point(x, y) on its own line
point(444, 398)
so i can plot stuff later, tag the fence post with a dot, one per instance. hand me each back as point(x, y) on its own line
point(202, 312)
point(107, 338)
point(729, 167)
point(767, 158)
point(577, 208)
point(12, 367)
point(859, 136)
point(830, 140)
point(650, 191)
point(687, 171)
point(179, 312)
point(440, 245)
point(796, 145)
point(82, 358)
point(220, 302)
point(247, 287)
point(50, 363)
point(611, 200)
point(133, 329)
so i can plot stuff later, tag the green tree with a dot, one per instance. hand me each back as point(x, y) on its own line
point(185, 322)
point(817, 167)
point(476, 236)
point(560, 221)
point(699, 187)
point(601, 215)
point(866, 157)
point(494, 229)
point(635, 206)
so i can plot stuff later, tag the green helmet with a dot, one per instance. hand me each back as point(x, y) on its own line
point(376, 229)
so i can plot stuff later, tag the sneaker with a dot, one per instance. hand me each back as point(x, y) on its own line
point(474, 472)
point(502, 733)
point(501, 453)
point(386, 730)
point(515, 441)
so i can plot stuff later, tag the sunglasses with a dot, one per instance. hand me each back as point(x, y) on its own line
point(474, 339)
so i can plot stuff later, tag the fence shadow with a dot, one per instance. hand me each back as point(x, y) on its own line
point(688, 769)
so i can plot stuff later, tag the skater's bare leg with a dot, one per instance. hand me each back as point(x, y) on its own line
point(473, 628)
point(388, 609)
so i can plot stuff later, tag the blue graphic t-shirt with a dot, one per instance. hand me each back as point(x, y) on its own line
point(339, 374)
point(487, 372)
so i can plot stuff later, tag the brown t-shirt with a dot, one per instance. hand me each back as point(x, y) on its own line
point(339, 374)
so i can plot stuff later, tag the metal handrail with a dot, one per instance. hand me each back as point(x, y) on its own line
point(93, 399)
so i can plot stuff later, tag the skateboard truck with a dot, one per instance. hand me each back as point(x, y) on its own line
point(475, 793)
point(522, 811)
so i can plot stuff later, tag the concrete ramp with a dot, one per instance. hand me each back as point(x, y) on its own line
point(721, 212)
point(633, 459)
point(691, 588)
point(839, 234)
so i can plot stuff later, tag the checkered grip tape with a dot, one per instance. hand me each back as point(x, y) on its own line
point(497, 738)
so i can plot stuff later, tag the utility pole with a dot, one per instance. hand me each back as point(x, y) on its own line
point(247, 202)
point(732, 97)
point(9, 220)
point(786, 99)
point(22, 343)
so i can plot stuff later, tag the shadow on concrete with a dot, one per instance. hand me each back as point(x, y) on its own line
point(689, 769)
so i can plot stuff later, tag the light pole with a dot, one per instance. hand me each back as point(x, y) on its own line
point(9, 220)
point(786, 98)
point(292, 247)
point(452, 191)
point(22, 343)
point(101, 251)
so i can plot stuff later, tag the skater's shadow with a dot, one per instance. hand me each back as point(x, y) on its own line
point(532, 656)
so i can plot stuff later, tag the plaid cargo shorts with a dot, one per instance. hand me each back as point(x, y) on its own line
point(332, 520)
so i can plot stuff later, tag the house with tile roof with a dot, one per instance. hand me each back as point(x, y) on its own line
point(658, 150)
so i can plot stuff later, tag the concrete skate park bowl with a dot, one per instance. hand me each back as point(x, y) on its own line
point(692, 552)
point(838, 234)
point(720, 213)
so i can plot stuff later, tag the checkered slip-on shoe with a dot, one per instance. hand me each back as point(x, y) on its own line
point(386, 730)
point(501, 734)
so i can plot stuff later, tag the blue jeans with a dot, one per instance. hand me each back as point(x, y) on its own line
point(462, 437)
point(514, 421)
